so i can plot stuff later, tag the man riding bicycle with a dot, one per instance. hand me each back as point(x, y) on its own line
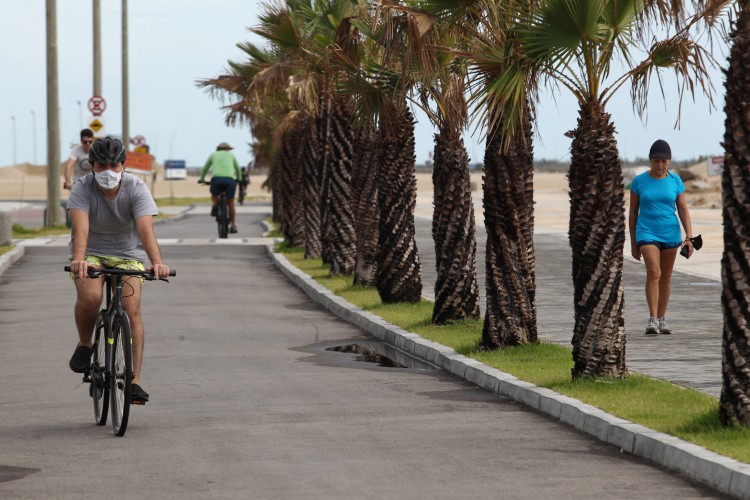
point(112, 227)
point(225, 173)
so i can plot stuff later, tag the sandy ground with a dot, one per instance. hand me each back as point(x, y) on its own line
point(26, 183)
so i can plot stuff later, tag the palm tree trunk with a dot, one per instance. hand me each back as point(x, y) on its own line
point(291, 159)
point(734, 403)
point(341, 234)
point(454, 232)
point(323, 123)
point(510, 318)
point(399, 277)
point(277, 205)
point(597, 237)
point(311, 195)
point(366, 215)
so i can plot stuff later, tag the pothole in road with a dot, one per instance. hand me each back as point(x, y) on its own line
point(367, 355)
point(377, 353)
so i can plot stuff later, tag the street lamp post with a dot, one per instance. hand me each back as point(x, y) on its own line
point(33, 132)
point(13, 119)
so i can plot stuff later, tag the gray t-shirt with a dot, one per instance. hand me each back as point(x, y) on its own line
point(81, 166)
point(112, 223)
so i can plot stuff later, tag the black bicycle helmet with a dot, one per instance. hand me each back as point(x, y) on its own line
point(107, 151)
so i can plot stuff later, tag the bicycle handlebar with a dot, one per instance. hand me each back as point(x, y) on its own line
point(95, 273)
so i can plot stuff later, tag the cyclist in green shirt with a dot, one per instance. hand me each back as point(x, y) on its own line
point(225, 173)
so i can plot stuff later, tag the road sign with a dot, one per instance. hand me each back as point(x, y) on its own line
point(138, 163)
point(175, 169)
point(141, 149)
point(138, 141)
point(96, 125)
point(97, 105)
point(715, 165)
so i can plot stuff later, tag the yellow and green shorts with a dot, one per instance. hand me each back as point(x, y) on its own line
point(113, 263)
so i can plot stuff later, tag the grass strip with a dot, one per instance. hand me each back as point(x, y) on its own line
point(5, 248)
point(23, 232)
point(657, 404)
point(187, 200)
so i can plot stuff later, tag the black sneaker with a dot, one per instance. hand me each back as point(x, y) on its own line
point(137, 395)
point(81, 359)
point(214, 210)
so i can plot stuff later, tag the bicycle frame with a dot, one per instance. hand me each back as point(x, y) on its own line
point(113, 310)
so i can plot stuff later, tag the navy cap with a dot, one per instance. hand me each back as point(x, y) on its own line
point(660, 149)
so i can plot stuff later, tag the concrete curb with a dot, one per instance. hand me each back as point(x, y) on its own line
point(724, 474)
point(9, 258)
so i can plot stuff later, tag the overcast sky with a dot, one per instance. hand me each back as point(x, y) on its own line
point(175, 42)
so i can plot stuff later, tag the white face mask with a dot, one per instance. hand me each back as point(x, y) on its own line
point(108, 179)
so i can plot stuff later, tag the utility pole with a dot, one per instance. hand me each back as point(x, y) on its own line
point(13, 121)
point(53, 118)
point(125, 89)
point(97, 49)
point(33, 133)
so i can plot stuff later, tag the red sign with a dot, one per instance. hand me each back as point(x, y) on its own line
point(139, 163)
point(97, 105)
point(138, 141)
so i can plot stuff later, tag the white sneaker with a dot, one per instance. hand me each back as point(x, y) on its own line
point(663, 327)
point(653, 326)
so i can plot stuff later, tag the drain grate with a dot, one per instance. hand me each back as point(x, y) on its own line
point(368, 355)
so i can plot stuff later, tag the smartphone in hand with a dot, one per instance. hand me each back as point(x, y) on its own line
point(685, 252)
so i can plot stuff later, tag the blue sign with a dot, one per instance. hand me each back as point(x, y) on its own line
point(174, 164)
point(175, 169)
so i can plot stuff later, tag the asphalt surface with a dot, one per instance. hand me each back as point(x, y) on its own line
point(246, 402)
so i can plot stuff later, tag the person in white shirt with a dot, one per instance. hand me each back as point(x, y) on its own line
point(78, 161)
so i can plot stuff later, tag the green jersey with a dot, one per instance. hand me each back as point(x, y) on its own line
point(223, 164)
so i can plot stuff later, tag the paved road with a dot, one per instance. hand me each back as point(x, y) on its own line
point(248, 403)
point(691, 356)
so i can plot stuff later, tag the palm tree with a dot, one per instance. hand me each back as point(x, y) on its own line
point(734, 403)
point(443, 86)
point(576, 43)
point(381, 83)
point(366, 213)
point(504, 84)
point(500, 86)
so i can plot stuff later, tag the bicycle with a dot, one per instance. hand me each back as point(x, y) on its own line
point(223, 217)
point(242, 190)
point(111, 371)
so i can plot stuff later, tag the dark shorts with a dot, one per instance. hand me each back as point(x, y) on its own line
point(659, 244)
point(223, 184)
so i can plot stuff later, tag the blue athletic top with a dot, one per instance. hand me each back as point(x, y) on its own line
point(657, 217)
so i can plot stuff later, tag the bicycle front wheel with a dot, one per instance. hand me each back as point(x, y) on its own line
point(121, 374)
point(99, 390)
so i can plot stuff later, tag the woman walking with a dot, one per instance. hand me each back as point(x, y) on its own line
point(655, 230)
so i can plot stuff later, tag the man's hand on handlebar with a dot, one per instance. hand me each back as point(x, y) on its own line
point(80, 268)
point(161, 271)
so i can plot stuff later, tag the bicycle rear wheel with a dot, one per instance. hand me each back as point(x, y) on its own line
point(223, 219)
point(99, 390)
point(121, 374)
